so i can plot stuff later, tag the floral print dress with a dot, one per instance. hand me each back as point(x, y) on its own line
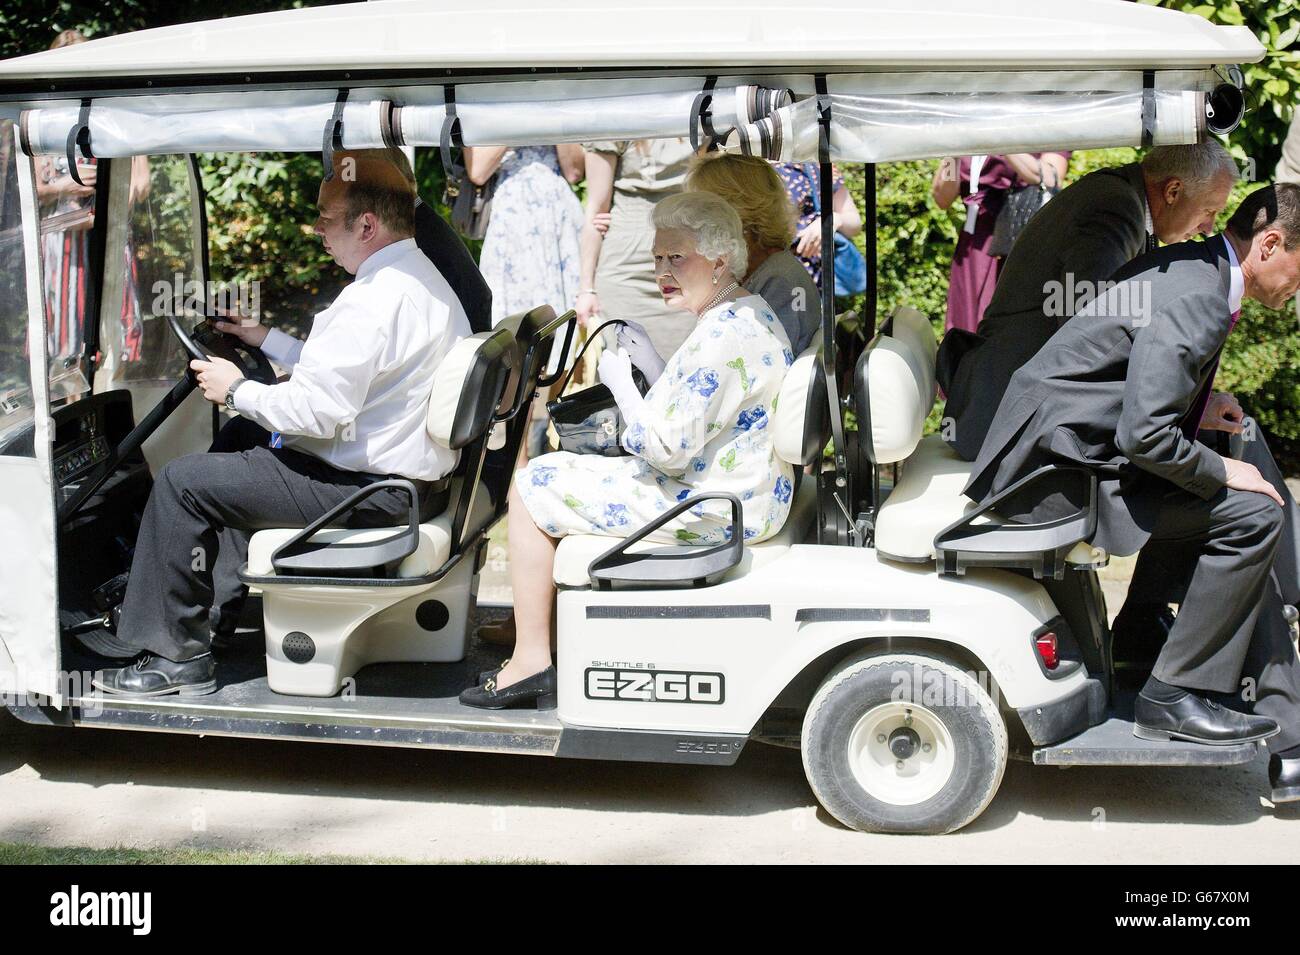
point(530, 252)
point(706, 427)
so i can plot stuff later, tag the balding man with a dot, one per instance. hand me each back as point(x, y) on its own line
point(1060, 261)
point(351, 413)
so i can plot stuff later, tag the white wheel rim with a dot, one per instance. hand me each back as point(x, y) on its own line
point(901, 782)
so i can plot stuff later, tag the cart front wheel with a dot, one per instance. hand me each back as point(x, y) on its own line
point(903, 743)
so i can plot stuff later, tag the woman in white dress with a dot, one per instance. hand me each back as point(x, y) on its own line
point(530, 252)
point(704, 425)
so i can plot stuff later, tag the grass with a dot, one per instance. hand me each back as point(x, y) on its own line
point(13, 853)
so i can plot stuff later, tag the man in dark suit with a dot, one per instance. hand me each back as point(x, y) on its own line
point(1121, 390)
point(1062, 256)
point(1069, 249)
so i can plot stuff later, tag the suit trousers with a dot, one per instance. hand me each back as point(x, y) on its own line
point(1230, 637)
point(204, 504)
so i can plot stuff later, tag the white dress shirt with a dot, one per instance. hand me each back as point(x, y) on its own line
point(1236, 281)
point(359, 391)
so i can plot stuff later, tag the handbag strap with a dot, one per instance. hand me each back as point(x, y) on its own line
point(810, 170)
point(577, 359)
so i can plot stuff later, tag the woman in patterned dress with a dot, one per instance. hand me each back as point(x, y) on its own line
point(531, 252)
point(704, 425)
point(802, 182)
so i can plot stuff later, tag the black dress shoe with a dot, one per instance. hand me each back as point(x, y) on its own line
point(156, 676)
point(537, 690)
point(1198, 720)
point(1284, 777)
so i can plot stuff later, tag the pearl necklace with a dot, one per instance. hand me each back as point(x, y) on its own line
point(720, 297)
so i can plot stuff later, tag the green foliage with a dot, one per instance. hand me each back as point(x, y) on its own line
point(261, 209)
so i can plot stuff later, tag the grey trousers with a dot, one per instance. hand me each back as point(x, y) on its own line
point(1216, 559)
point(202, 504)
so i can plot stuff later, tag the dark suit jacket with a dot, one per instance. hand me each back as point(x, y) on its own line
point(1077, 240)
point(1114, 390)
point(444, 248)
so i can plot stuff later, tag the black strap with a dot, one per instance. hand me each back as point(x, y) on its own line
point(79, 137)
point(451, 136)
point(826, 202)
point(333, 137)
point(1148, 107)
point(577, 359)
point(702, 115)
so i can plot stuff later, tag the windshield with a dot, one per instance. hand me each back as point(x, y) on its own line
point(15, 374)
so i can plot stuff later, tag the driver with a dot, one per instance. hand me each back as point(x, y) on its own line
point(351, 413)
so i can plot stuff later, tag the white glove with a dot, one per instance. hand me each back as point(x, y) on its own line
point(615, 370)
point(636, 340)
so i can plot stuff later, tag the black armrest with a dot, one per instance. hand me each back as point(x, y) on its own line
point(672, 565)
point(1040, 547)
point(300, 555)
point(570, 318)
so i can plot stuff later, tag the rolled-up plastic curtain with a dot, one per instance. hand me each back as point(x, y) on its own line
point(653, 115)
point(162, 127)
point(890, 128)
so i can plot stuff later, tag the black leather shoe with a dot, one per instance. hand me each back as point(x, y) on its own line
point(1284, 777)
point(1198, 720)
point(537, 690)
point(155, 676)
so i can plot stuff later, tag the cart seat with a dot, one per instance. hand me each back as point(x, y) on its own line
point(320, 630)
point(800, 430)
point(431, 550)
point(895, 390)
point(928, 498)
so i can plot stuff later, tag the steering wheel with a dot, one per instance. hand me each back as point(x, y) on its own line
point(204, 341)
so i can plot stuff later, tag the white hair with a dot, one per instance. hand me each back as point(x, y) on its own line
point(711, 221)
point(1197, 166)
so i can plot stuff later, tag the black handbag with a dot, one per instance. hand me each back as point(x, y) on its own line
point(1019, 206)
point(588, 421)
point(471, 205)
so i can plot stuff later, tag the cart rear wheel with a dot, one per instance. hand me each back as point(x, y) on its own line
point(903, 743)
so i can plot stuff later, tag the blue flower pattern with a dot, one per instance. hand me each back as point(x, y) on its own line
point(722, 385)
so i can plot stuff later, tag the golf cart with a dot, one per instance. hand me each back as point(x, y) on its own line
point(905, 640)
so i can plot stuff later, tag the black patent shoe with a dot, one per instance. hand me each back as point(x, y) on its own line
point(1198, 719)
point(156, 676)
point(537, 691)
point(1284, 777)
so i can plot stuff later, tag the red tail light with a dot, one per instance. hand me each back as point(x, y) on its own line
point(1046, 645)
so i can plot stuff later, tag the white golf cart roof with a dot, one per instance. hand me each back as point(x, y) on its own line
point(905, 80)
point(513, 34)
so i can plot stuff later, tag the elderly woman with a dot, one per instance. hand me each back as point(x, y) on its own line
point(702, 426)
point(754, 190)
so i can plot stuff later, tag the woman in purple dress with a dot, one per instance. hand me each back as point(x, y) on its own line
point(983, 183)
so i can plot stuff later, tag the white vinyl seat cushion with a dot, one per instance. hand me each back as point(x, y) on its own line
point(575, 553)
point(789, 419)
point(431, 551)
point(928, 497)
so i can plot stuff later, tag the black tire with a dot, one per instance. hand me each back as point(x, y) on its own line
point(966, 766)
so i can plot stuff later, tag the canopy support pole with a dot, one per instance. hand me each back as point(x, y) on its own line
point(842, 491)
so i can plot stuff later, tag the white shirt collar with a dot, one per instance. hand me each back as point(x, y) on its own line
point(1236, 283)
point(385, 256)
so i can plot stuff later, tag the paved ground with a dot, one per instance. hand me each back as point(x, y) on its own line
point(99, 788)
